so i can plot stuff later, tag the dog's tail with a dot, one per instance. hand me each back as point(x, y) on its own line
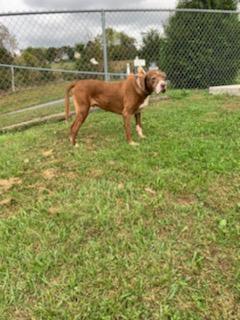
point(67, 100)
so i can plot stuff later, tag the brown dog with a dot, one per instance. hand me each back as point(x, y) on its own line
point(125, 98)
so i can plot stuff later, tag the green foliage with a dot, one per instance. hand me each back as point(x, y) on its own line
point(7, 41)
point(152, 45)
point(68, 50)
point(7, 44)
point(202, 49)
point(32, 57)
point(120, 47)
point(79, 47)
point(5, 73)
point(93, 49)
point(209, 4)
point(51, 54)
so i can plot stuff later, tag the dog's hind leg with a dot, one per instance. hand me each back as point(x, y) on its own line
point(81, 115)
point(80, 118)
point(139, 125)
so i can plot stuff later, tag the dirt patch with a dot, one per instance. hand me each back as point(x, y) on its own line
point(95, 173)
point(7, 184)
point(47, 153)
point(210, 116)
point(231, 106)
point(49, 174)
point(180, 199)
point(224, 193)
point(226, 305)
point(21, 315)
point(150, 191)
point(40, 187)
point(89, 144)
point(121, 186)
point(187, 200)
point(6, 202)
point(53, 210)
point(71, 175)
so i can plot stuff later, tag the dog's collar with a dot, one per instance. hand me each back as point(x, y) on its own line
point(146, 86)
point(146, 91)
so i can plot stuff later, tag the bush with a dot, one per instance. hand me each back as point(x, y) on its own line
point(5, 73)
point(201, 49)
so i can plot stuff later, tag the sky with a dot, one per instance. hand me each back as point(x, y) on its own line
point(64, 29)
point(31, 5)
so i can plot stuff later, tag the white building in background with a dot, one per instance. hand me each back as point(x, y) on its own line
point(77, 55)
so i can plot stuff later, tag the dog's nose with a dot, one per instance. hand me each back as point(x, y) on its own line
point(163, 87)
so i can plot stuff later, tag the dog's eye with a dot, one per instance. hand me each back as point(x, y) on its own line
point(153, 78)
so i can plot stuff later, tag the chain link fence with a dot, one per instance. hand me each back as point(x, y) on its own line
point(41, 52)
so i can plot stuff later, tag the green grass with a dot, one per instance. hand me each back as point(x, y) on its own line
point(8, 120)
point(66, 65)
point(110, 231)
point(30, 97)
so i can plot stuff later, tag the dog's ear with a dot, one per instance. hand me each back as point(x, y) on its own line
point(141, 71)
point(141, 78)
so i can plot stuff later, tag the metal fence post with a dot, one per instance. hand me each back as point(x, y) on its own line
point(104, 44)
point(13, 79)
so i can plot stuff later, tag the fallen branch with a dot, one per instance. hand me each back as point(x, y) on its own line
point(34, 122)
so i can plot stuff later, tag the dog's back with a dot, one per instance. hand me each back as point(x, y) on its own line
point(106, 95)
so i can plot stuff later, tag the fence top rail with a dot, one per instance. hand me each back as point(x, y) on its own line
point(61, 70)
point(24, 13)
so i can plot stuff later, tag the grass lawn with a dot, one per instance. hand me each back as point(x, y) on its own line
point(66, 65)
point(30, 97)
point(110, 231)
point(8, 120)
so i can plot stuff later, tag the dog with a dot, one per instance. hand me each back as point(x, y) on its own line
point(125, 98)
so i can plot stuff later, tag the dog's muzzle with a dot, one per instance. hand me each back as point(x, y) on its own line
point(161, 87)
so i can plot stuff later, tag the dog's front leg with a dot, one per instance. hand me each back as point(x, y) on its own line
point(127, 127)
point(139, 125)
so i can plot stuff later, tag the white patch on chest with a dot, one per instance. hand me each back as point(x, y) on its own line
point(144, 104)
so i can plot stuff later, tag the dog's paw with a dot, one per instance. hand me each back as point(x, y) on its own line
point(133, 143)
point(143, 136)
point(73, 142)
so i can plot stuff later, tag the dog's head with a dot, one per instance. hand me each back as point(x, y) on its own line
point(153, 80)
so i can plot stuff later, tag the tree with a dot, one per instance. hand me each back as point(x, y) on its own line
point(202, 49)
point(7, 41)
point(7, 46)
point(51, 54)
point(34, 57)
point(79, 47)
point(120, 45)
point(66, 50)
point(70, 52)
point(152, 45)
point(5, 73)
point(208, 4)
point(93, 49)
